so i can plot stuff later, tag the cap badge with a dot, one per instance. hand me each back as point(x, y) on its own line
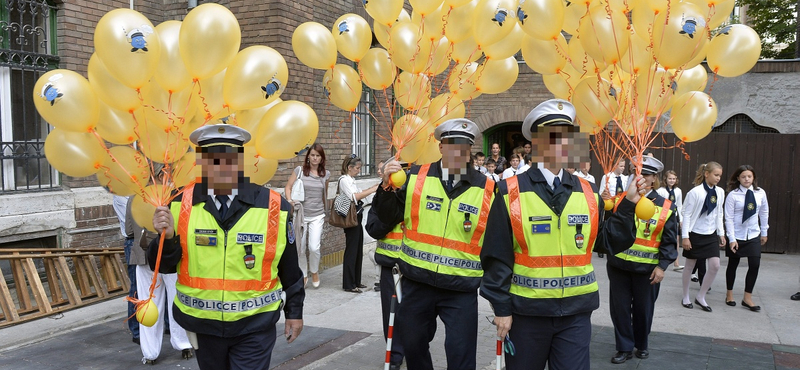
point(560, 106)
point(463, 125)
point(221, 130)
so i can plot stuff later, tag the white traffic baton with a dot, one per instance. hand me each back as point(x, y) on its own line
point(390, 333)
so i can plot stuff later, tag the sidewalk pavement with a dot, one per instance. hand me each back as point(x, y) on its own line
point(343, 330)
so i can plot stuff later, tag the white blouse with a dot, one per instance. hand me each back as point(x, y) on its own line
point(734, 207)
point(662, 191)
point(509, 172)
point(707, 223)
point(347, 186)
point(612, 183)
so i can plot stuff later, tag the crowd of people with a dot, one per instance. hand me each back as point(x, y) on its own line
point(546, 214)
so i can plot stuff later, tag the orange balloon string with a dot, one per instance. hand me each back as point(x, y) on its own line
point(139, 303)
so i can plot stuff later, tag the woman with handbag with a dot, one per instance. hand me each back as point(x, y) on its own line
point(354, 235)
point(306, 191)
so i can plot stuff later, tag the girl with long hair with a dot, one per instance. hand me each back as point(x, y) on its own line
point(671, 191)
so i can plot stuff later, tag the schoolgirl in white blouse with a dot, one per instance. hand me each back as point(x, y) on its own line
point(746, 231)
point(702, 230)
point(671, 191)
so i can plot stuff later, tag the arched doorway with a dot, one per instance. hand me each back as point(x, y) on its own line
point(508, 135)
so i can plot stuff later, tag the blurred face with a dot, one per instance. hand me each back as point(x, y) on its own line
point(495, 149)
point(491, 167)
point(353, 170)
point(671, 180)
point(648, 180)
point(314, 158)
point(746, 178)
point(527, 148)
point(620, 167)
point(221, 170)
point(570, 170)
point(586, 166)
point(479, 160)
point(558, 147)
point(712, 177)
point(514, 162)
point(455, 157)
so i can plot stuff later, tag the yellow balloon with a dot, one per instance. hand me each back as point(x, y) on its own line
point(66, 100)
point(653, 91)
point(563, 83)
point(425, 7)
point(643, 19)
point(645, 209)
point(384, 11)
point(125, 171)
point(382, 30)
point(465, 51)
point(184, 170)
point(698, 58)
point(444, 107)
point(147, 314)
point(397, 179)
point(162, 145)
point(639, 56)
point(342, 86)
point(74, 154)
point(734, 50)
point(143, 206)
point(581, 61)
point(496, 76)
point(458, 26)
point(595, 101)
point(431, 25)
point(507, 46)
point(166, 110)
point(546, 57)
point(116, 126)
point(679, 35)
point(171, 74)
point(462, 81)
point(208, 97)
point(128, 45)
point(574, 11)
point(209, 40)
point(250, 118)
point(716, 11)
point(439, 59)
point(430, 153)
point(604, 34)
point(409, 50)
point(409, 136)
point(109, 90)
point(259, 169)
point(541, 19)
point(285, 129)
point(452, 4)
point(256, 77)
point(376, 68)
point(608, 204)
point(493, 20)
point(693, 79)
point(314, 45)
point(352, 35)
point(693, 116)
point(412, 91)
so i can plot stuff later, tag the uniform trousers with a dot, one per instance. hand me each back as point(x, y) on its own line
point(133, 325)
point(560, 342)
point(353, 255)
point(387, 290)
point(415, 325)
point(252, 351)
point(150, 337)
point(631, 302)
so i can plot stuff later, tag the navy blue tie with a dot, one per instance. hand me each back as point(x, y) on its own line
point(749, 205)
point(619, 185)
point(223, 208)
point(556, 183)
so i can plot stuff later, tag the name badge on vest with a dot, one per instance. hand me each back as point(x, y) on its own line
point(205, 237)
point(244, 238)
point(249, 258)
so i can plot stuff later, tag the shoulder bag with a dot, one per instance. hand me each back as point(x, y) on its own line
point(344, 213)
point(298, 191)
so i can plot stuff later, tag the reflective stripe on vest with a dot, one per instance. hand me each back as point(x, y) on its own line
point(389, 246)
point(461, 256)
point(267, 281)
point(553, 283)
point(229, 306)
point(646, 250)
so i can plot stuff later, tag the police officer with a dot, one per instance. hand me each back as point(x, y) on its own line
point(232, 245)
point(538, 272)
point(443, 207)
point(635, 274)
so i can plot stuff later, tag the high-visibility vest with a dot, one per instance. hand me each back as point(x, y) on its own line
point(648, 238)
point(389, 246)
point(229, 275)
point(552, 253)
point(444, 235)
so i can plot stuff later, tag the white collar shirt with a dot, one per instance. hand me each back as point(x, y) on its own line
point(705, 224)
point(734, 207)
point(234, 192)
point(549, 176)
point(611, 179)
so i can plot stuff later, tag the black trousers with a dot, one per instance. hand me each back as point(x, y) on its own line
point(353, 255)
point(560, 342)
point(632, 300)
point(387, 290)
point(246, 352)
point(415, 325)
point(753, 264)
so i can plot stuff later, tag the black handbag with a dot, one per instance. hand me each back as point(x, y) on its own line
point(344, 213)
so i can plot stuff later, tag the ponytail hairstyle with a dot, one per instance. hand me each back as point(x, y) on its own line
point(703, 169)
point(733, 183)
point(351, 160)
point(671, 172)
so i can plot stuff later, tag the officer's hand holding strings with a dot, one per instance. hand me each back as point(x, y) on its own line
point(636, 189)
point(389, 168)
point(163, 221)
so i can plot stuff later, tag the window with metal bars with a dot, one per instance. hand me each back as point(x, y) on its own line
point(743, 124)
point(27, 50)
point(363, 139)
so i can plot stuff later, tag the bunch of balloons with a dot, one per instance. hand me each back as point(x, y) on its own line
point(150, 87)
point(445, 53)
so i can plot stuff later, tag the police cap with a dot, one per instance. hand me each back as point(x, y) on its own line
point(553, 112)
point(457, 128)
point(219, 135)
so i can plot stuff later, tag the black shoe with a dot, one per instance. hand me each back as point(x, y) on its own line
point(695, 278)
point(705, 308)
point(186, 354)
point(687, 305)
point(620, 357)
point(731, 303)
point(361, 286)
point(643, 354)
point(149, 362)
point(796, 296)
point(752, 308)
point(394, 366)
point(377, 288)
point(136, 340)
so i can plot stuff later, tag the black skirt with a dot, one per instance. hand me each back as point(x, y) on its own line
point(703, 246)
point(747, 248)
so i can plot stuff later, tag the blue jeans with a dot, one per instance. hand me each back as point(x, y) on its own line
point(133, 325)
